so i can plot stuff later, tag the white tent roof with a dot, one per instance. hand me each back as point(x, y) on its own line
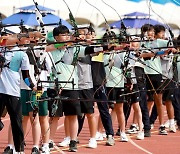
point(169, 12)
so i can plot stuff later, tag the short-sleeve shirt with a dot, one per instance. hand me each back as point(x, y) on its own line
point(154, 64)
point(43, 73)
point(67, 72)
point(114, 75)
point(10, 76)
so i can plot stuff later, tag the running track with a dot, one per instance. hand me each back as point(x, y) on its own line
point(156, 144)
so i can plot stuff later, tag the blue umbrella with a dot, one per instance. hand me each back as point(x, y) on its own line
point(33, 8)
point(134, 22)
point(176, 2)
point(136, 14)
point(29, 19)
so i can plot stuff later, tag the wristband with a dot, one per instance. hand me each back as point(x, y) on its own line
point(160, 53)
point(59, 45)
point(29, 83)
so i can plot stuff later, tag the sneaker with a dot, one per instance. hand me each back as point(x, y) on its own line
point(172, 128)
point(152, 126)
point(166, 124)
point(65, 142)
point(178, 127)
point(35, 150)
point(162, 130)
point(140, 135)
point(175, 122)
point(45, 150)
point(77, 141)
point(123, 137)
point(104, 135)
point(8, 150)
point(99, 136)
point(73, 146)
point(92, 143)
point(133, 129)
point(118, 133)
point(110, 140)
point(147, 133)
point(51, 145)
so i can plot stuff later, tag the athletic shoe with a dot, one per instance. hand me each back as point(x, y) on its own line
point(118, 133)
point(133, 129)
point(140, 135)
point(35, 150)
point(162, 130)
point(73, 146)
point(147, 133)
point(178, 127)
point(166, 124)
point(51, 145)
point(45, 150)
point(172, 128)
point(104, 135)
point(8, 150)
point(152, 126)
point(99, 136)
point(65, 142)
point(92, 143)
point(110, 140)
point(123, 137)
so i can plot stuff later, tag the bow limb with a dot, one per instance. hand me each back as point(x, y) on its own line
point(170, 33)
point(122, 30)
point(107, 25)
point(72, 20)
point(116, 13)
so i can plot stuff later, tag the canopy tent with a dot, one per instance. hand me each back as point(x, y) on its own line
point(135, 20)
point(33, 7)
point(136, 14)
point(29, 18)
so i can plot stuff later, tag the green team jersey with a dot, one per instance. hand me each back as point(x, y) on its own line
point(63, 60)
point(154, 64)
point(114, 73)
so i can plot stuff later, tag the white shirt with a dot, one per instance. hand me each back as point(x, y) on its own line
point(44, 73)
point(9, 79)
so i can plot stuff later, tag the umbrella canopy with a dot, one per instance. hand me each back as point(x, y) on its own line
point(29, 19)
point(33, 8)
point(136, 14)
point(134, 22)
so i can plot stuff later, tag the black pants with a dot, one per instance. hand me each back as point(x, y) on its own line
point(103, 110)
point(141, 82)
point(153, 115)
point(144, 109)
point(176, 105)
point(14, 109)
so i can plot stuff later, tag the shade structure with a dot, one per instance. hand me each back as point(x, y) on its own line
point(135, 22)
point(33, 8)
point(136, 14)
point(29, 18)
